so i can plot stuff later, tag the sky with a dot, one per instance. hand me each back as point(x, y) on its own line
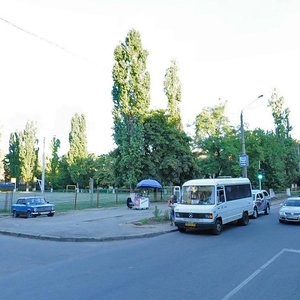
point(56, 59)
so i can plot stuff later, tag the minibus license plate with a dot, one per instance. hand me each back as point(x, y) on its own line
point(190, 224)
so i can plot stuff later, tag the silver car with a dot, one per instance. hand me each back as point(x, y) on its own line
point(290, 210)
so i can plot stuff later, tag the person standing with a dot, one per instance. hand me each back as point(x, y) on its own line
point(171, 205)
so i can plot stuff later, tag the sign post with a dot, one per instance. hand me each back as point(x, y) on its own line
point(244, 160)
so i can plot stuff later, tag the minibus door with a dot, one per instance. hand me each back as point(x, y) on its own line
point(222, 208)
point(177, 193)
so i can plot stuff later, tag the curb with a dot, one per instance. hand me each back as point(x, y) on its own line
point(85, 239)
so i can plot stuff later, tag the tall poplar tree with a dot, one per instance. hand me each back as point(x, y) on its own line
point(287, 155)
point(77, 138)
point(280, 115)
point(28, 152)
point(131, 99)
point(53, 163)
point(78, 148)
point(12, 159)
point(172, 89)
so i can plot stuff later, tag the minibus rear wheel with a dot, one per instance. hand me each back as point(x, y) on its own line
point(245, 219)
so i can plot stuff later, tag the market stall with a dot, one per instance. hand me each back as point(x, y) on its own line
point(140, 200)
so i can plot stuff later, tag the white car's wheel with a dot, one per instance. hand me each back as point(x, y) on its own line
point(255, 213)
point(267, 210)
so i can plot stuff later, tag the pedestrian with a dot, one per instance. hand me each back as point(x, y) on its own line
point(171, 205)
point(130, 204)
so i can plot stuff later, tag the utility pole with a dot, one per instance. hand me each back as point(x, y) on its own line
point(244, 155)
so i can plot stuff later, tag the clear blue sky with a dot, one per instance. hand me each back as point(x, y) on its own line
point(59, 60)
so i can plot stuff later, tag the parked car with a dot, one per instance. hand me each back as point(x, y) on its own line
point(261, 202)
point(290, 210)
point(32, 207)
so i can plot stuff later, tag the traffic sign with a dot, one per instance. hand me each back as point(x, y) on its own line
point(244, 160)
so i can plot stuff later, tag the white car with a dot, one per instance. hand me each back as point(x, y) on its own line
point(261, 202)
point(290, 210)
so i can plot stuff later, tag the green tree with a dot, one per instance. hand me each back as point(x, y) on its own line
point(53, 164)
point(2, 158)
point(280, 115)
point(172, 89)
point(12, 159)
point(82, 170)
point(287, 148)
point(104, 170)
point(168, 154)
point(78, 148)
point(64, 177)
point(131, 98)
point(77, 138)
point(216, 142)
point(28, 152)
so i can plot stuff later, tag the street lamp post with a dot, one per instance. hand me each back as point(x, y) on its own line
point(245, 163)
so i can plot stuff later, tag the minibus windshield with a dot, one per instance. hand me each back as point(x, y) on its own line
point(198, 195)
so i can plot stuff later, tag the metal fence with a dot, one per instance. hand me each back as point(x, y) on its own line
point(83, 198)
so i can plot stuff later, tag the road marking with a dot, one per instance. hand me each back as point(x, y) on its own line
point(259, 270)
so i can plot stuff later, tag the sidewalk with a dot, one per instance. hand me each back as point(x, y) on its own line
point(90, 225)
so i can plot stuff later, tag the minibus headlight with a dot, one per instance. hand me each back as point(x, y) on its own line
point(208, 216)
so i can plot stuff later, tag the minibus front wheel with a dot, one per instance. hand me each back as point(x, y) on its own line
point(218, 227)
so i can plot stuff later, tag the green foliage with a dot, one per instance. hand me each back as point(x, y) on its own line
point(217, 143)
point(77, 158)
point(219, 156)
point(131, 98)
point(156, 212)
point(280, 115)
point(82, 170)
point(131, 88)
point(219, 147)
point(53, 164)
point(168, 155)
point(2, 159)
point(28, 152)
point(172, 89)
point(12, 159)
point(212, 122)
point(63, 177)
point(104, 170)
point(77, 138)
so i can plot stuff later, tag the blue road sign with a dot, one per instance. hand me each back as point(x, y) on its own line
point(244, 161)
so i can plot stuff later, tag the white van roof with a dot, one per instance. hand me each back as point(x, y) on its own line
point(216, 181)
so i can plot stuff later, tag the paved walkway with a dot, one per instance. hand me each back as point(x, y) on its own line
point(102, 224)
point(90, 225)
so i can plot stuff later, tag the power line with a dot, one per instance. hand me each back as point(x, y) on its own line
point(47, 41)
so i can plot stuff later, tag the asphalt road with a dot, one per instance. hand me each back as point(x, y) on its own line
point(259, 261)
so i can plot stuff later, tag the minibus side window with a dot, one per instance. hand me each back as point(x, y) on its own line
point(238, 191)
point(220, 195)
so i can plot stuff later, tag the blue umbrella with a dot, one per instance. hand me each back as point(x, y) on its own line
point(149, 183)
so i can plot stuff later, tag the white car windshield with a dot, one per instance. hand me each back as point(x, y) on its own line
point(198, 195)
point(292, 203)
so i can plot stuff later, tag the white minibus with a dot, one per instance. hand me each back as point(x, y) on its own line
point(211, 203)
